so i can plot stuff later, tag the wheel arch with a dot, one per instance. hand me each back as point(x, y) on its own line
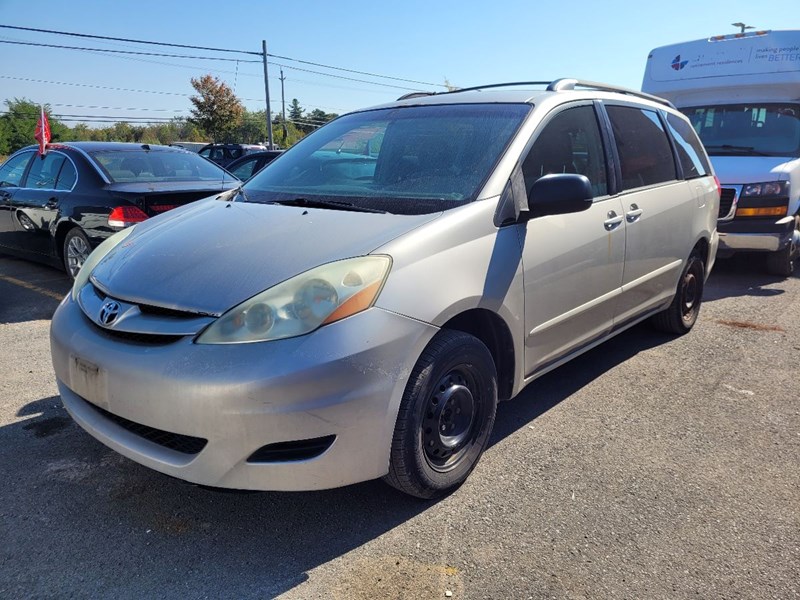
point(702, 248)
point(495, 334)
point(61, 233)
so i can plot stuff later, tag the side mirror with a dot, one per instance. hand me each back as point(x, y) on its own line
point(560, 194)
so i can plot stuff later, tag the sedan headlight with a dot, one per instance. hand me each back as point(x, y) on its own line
point(303, 303)
point(95, 257)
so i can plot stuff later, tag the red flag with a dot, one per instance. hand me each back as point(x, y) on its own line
point(42, 134)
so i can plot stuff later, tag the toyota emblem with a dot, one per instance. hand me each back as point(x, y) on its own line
point(109, 312)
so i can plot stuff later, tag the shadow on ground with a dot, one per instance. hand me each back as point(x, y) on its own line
point(741, 275)
point(29, 291)
point(109, 524)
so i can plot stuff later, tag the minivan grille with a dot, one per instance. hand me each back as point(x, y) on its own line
point(185, 444)
point(727, 195)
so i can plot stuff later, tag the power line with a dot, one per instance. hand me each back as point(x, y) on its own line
point(61, 47)
point(116, 39)
point(120, 89)
point(188, 46)
point(307, 62)
point(132, 52)
point(389, 85)
point(117, 107)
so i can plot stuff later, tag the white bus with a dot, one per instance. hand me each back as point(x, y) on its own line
point(742, 94)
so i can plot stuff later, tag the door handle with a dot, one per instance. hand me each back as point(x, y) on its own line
point(612, 220)
point(51, 203)
point(634, 213)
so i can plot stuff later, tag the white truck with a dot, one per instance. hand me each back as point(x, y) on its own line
point(742, 94)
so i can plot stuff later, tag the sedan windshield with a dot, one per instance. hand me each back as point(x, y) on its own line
point(140, 165)
point(410, 160)
point(748, 129)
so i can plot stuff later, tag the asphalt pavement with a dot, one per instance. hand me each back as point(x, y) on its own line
point(650, 467)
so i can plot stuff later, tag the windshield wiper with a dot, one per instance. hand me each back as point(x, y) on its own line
point(747, 149)
point(330, 204)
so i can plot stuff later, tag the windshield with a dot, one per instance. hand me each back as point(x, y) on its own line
point(140, 165)
point(748, 129)
point(411, 160)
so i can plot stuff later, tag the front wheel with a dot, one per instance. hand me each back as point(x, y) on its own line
point(445, 417)
point(680, 316)
point(76, 250)
point(781, 263)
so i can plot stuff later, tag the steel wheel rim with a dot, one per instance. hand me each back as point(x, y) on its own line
point(77, 253)
point(690, 294)
point(450, 419)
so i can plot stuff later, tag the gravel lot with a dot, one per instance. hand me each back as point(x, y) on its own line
point(650, 467)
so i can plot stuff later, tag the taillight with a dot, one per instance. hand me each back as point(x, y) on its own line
point(125, 216)
point(719, 185)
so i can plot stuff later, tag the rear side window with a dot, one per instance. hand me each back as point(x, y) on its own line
point(67, 177)
point(44, 172)
point(690, 151)
point(644, 152)
point(11, 172)
point(569, 143)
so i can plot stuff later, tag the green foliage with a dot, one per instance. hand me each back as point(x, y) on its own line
point(217, 110)
point(295, 110)
point(285, 134)
point(18, 125)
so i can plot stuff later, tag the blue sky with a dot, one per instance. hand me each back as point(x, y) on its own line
point(467, 43)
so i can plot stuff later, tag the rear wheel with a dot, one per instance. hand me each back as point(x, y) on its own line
point(445, 418)
point(680, 316)
point(76, 250)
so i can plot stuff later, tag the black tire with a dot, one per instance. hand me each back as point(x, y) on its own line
point(681, 315)
point(445, 417)
point(75, 251)
point(781, 263)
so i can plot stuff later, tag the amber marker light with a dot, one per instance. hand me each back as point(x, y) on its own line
point(766, 211)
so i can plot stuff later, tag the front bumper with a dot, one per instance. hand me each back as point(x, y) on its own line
point(344, 380)
point(754, 236)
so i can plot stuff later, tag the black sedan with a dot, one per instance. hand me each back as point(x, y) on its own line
point(57, 207)
point(247, 166)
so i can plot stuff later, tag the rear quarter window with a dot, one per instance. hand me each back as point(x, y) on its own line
point(644, 152)
point(691, 154)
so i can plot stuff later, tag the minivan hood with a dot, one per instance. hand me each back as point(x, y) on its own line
point(209, 256)
point(734, 170)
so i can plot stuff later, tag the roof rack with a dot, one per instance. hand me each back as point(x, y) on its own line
point(558, 85)
point(567, 84)
point(415, 95)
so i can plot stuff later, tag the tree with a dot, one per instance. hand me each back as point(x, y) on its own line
point(295, 111)
point(19, 125)
point(217, 110)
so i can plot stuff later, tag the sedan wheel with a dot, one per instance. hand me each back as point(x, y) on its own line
point(76, 251)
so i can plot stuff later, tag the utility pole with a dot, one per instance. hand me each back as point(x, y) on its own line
point(270, 145)
point(283, 111)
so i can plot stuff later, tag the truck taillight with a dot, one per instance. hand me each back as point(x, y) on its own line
point(719, 185)
point(125, 216)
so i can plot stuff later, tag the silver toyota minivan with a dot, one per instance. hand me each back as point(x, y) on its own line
point(357, 309)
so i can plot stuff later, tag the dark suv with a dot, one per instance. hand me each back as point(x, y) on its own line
point(224, 154)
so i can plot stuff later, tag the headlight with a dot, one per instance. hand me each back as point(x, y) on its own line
point(95, 257)
point(303, 303)
point(770, 188)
